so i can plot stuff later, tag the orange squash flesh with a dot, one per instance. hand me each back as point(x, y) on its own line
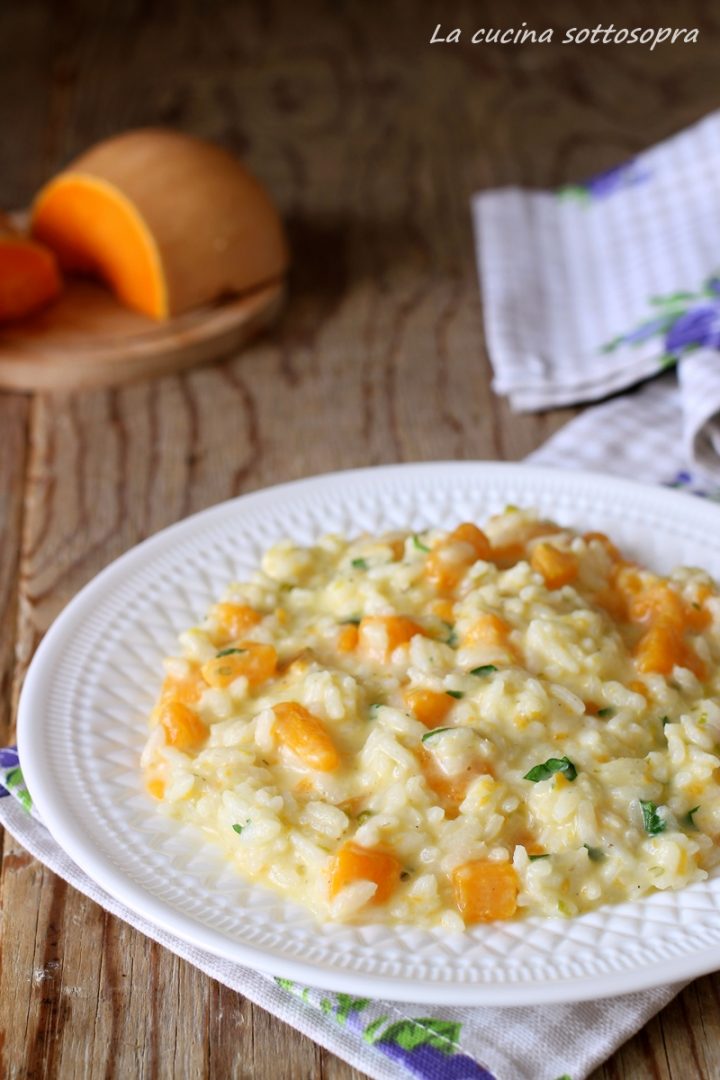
point(256, 662)
point(355, 863)
point(445, 572)
point(183, 727)
point(488, 629)
point(305, 735)
point(398, 630)
point(485, 890)
point(557, 567)
point(29, 275)
point(167, 220)
point(428, 706)
point(234, 620)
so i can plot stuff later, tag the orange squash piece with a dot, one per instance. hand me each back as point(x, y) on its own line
point(662, 647)
point(29, 275)
point(156, 787)
point(428, 706)
point(305, 735)
point(167, 220)
point(186, 690)
point(347, 638)
point(450, 789)
point(488, 629)
point(606, 542)
point(234, 621)
point(256, 662)
point(445, 567)
point(658, 602)
point(355, 863)
point(398, 630)
point(485, 890)
point(557, 567)
point(512, 551)
point(183, 727)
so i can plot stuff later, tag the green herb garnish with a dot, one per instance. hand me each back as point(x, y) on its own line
point(534, 858)
point(239, 828)
point(652, 821)
point(455, 693)
point(436, 731)
point(484, 669)
point(360, 564)
point(606, 713)
point(689, 819)
point(665, 720)
point(595, 854)
point(363, 816)
point(452, 638)
point(354, 620)
point(417, 542)
point(549, 768)
point(229, 652)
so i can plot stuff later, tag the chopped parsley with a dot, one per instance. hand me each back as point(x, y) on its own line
point(436, 731)
point(363, 816)
point(239, 828)
point(652, 821)
point(417, 542)
point(606, 713)
point(549, 768)
point(665, 720)
point(484, 669)
point(354, 620)
point(455, 693)
point(534, 858)
point(452, 638)
point(373, 709)
point(229, 652)
point(689, 818)
point(595, 854)
point(360, 564)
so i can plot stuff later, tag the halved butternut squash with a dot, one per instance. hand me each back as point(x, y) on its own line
point(167, 220)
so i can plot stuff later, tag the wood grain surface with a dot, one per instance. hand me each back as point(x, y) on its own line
point(372, 141)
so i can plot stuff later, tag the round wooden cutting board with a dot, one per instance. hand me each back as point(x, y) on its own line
point(87, 339)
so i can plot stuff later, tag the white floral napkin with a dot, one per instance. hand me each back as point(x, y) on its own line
point(593, 288)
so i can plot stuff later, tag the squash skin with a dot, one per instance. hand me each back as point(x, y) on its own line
point(207, 227)
point(29, 275)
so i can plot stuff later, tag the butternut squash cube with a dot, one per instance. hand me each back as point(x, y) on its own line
point(355, 863)
point(485, 890)
point(305, 735)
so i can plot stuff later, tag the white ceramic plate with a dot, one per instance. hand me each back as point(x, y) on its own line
point(89, 689)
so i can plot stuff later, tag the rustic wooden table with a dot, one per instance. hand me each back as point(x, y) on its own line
point(372, 141)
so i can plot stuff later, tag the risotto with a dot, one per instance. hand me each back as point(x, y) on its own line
point(448, 728)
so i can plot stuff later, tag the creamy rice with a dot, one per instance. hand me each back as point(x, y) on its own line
point(447, 728)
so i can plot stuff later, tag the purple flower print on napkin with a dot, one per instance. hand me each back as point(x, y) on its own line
point(606, 183)
point(11, 777)
point(427, 1047)
point(683, 320)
